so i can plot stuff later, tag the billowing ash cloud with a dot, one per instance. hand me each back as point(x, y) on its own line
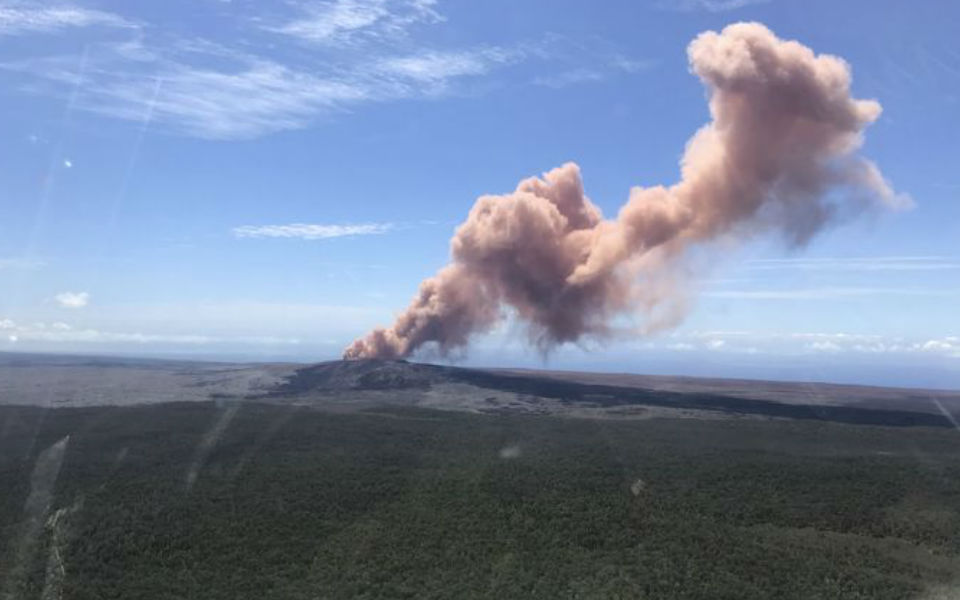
point(779, 155)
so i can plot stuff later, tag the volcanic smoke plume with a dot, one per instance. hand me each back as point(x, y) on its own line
point(779, 155)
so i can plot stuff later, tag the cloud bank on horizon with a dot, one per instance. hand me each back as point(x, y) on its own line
point(780, 156)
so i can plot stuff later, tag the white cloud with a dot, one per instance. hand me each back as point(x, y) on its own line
point(307, 231)
point(944, 345)
point(707, 5)
point(60, 332)
point(216, 104)
point(332, 19)
point(792, 343)
point(826, 346)
point(245, 96)
point(72, 299)
point(839, 337)
point(18, 18)
point(340, 21)
point(94, 336)
point(878, 347)
point(216, 327)
point(437, 66)
point(360, 53)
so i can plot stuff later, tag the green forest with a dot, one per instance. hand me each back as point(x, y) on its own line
point(265, 501)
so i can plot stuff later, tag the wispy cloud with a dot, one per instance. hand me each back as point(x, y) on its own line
point(257, 98)
point(72, 299)
point(570, 77)
point(602, 68)
point(360, 52)
point(870, 263)
point(340, 21)
point(247, 96)
point(307, 231)
point(707, 5)
point(434, 66)
point(17, 18)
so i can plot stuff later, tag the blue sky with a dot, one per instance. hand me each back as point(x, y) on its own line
point(271, 179)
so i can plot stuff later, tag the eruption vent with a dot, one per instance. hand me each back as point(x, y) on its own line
point(779, 155)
